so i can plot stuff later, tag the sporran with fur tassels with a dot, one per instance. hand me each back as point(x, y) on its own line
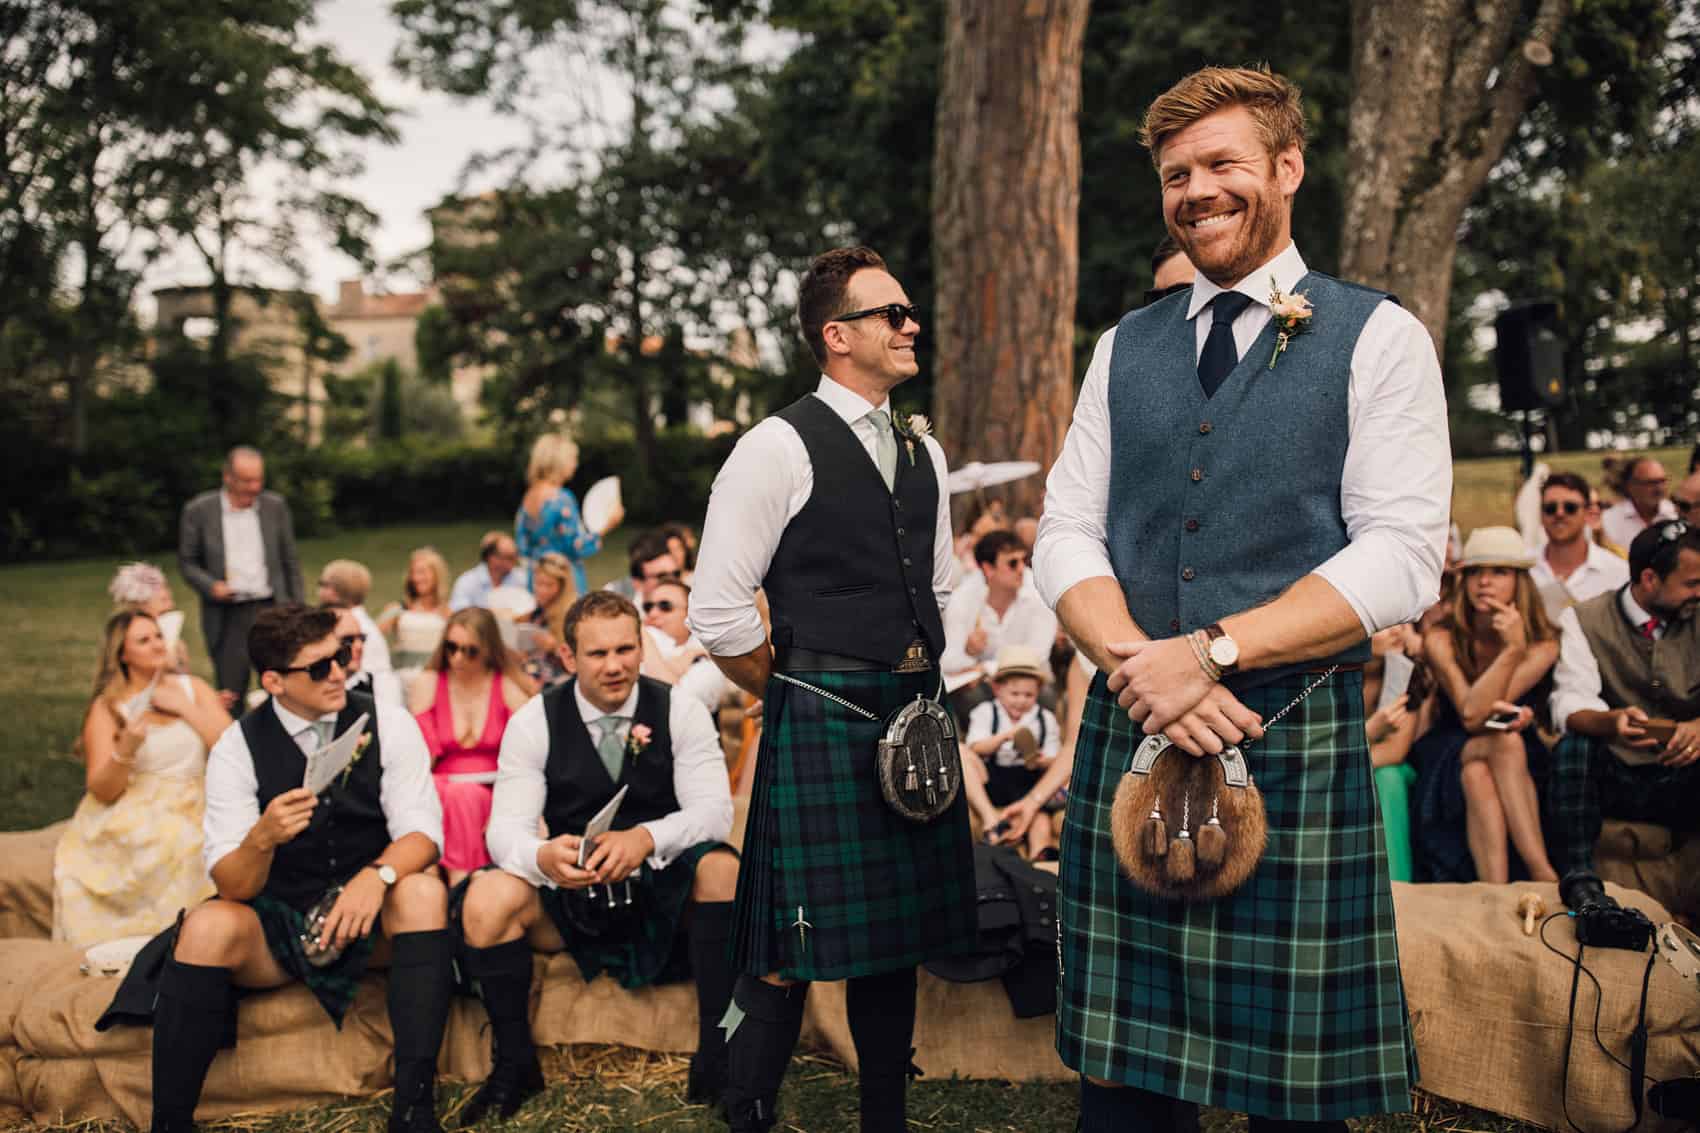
point(1187, 828)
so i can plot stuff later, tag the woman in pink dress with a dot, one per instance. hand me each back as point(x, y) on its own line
point(463, 700)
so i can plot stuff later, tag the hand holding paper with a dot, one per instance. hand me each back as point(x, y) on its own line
point(324, 765)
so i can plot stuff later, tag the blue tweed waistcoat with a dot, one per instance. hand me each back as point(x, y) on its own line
point(1219, 504)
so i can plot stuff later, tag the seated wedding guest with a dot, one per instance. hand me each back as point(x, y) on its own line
point(275, 851)
point(984, 517)
point(1014, 739)
point(649, 559)
point(1051, 789)
point(131, 855)
point(1627, 697)
point(1392, 728)
point(999, 608)
point(1685, 498)
point(463, 701)
point(548, 518)
point(417, 622)
point(553, 586)
point(346, 583)
point(498, 566)
point(1477, 766)
point(143, 587)
point(349, 635)
point(672, 654)
point(1644, 502)
point(682, 542)
point(1595, 516)
point(622, 904)
point(1571, 568)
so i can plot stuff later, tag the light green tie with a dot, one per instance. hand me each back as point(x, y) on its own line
point(885, 446)
point(323, 730)
point(612, 746)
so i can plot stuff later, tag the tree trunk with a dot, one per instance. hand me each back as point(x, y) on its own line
point(1438, 86)
point(1006, 193)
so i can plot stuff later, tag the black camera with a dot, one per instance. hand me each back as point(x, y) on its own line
point(1600, 920)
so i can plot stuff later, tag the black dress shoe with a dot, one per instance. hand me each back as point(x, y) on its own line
point(510, 1085)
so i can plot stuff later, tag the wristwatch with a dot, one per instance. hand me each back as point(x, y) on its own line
point(1224, 651)
point(386, 873)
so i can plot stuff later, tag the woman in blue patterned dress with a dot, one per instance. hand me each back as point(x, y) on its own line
point(548, 518)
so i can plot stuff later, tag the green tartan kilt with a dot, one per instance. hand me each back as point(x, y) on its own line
point(647, 947)
point(874, 891)
point(1281, 999)
point(334, 984)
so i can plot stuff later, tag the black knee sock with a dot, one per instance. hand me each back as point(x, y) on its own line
point(188, 1025)
point(1126, 1109)
point(759, 1049)
point(1274, 1125)
point(504, 979)
point(881, 1011)
point(711, 928)
point(420, 986)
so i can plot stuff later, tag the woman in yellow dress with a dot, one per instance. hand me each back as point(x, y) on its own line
point(131, 854)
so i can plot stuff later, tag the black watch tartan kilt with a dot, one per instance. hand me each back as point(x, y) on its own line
point(334, 984)
point(833, 883)
point(646, 947)
point(1282, 999)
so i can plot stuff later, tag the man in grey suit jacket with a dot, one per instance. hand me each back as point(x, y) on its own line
point(236, 546)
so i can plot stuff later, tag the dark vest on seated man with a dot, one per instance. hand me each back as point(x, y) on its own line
point(628, 929)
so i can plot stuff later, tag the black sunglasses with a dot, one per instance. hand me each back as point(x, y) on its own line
point(450, 648)
point(896, 314)
point(1553, 507)
point(1155, 293)
point(321, 668)
point(665, 605)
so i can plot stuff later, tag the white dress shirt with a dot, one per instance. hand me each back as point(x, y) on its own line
point(244, 549)
point(375, 660)
point(1395, 490)
point(474, 587)
point(1576, 680)
point(405, 790)
point(699, 783)
point(760, 489)
point(1620, 522)
point(1039, 719)
point(1028, 621)
point(1600, 572)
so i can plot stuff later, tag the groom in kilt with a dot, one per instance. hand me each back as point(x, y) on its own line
point(1256, 479)
point(840, 515)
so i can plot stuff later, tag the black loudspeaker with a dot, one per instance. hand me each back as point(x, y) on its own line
point(1529, 356)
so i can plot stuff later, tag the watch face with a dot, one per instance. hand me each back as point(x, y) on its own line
point(1225, 651)
point(386, 874)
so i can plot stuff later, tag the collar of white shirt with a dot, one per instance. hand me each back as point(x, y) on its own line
point(1285, 269)
point(1633, 611)
point(294, 724)
point(228, 508)
point(590, 714)
point(847, 404)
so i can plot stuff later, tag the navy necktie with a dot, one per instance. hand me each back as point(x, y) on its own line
point(1220, 355)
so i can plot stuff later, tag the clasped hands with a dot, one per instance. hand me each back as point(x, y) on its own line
point(1163, 688)
point(618, 854)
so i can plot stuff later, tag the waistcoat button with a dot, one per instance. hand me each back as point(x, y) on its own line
point(1197, 475)
point(907, 561)
point(1204, 428)
point(1174, 625)
point(900, 531)
point(1192, 525)
point(1188, 574)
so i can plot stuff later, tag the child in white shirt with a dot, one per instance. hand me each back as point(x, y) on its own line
point(1014, 738)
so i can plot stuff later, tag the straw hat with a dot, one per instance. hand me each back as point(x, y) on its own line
point(1018, 661)
point(1496, 547)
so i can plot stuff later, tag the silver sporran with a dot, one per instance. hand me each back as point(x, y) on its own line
point(920, 767)
point(320, 957)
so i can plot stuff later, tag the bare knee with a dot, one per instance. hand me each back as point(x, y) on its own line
point(495, 908)
point(716, 877)
point(218, 934)
point(774, 979)
point(418, 902)
point(1477, 780)
point(1508, 751)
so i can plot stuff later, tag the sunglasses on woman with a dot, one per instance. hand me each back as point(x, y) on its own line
point(895, 315)
point(321, 669)
point(450, 648)
point(1568, 507)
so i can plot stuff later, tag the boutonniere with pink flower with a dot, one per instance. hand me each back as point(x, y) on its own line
point(1292, 317)
point(914, 428)
point(640, 737)
point(360, 747)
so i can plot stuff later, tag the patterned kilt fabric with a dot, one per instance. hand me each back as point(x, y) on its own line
point(1588, 783)
point(1282, 999)
point(875, 891)
point(645, 946)
point(333, 985)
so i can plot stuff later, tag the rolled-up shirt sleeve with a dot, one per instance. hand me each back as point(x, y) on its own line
point(233, 797)
point(406, 790)
point(1396, 487)
point(700, 785)
point(1576, 678)
point(1072, 544)
point(521, 790)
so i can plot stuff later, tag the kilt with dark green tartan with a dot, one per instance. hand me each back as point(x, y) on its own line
point(334, 984)
point(1281, 999)
point(833, 883)
point(1587, 783)
point(646, 946)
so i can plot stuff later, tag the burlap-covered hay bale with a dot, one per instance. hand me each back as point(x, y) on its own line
point(1660, 862)
point(1489, 1006)
point(26, 882)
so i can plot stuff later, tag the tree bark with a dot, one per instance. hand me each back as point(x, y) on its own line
point(1006, 194)
point(1438, 86)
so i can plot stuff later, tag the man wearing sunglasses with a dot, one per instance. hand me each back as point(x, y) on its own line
point(1645, 501)
point(1686, 498)
point(1571, 568)
point(274, 851)
point(835, 510)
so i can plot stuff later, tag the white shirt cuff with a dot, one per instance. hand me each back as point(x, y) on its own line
point(1066, 559)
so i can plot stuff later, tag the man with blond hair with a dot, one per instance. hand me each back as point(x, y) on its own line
point(1256, 479)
